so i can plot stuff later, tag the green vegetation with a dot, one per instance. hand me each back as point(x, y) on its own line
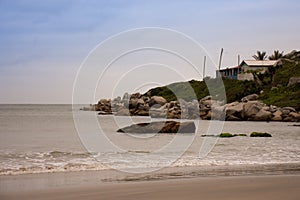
point(261, 55)
point(227, 135)
point(277, 92)
point(273, 84)
point(277, 55)
point(259, 134)
point(282, 96)
point(235, 89)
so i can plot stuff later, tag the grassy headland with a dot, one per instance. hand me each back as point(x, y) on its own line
point(274, 89)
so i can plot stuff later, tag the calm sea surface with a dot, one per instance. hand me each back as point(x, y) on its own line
point(43, 138)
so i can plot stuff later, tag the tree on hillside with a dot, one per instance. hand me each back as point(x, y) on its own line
point(261, 55)
point(277, 55)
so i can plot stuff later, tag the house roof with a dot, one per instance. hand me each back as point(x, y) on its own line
point(260, 63)
point(235, 67)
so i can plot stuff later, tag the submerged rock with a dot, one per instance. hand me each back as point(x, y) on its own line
point(259, 134)
point(160, 127)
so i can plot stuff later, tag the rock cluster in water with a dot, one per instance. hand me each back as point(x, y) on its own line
point(249, 109)
point(160, 127)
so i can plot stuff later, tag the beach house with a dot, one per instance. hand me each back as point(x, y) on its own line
point(245, 69)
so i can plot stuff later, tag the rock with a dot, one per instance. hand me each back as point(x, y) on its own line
point(228, 135)
point(123, 112)
point(277, 116)
point(104, 113)
point(207, 116)
point(173, 104)
point(157, 100)
point(90, 108)
point(262, 115)
point(156, 113)
point(207, 103)
point(266, 108)
point(273, 109)
point(292, 55)
point(295, 117)
point(251, 108)
point(135, 96)
point(141, 113)
point(258, 134)
point(145, 99)
point(290, 109)
point(206, 98)
point(218, 113)
point(251, 97)
point(134, 103)
point(235, 109)
point(117, 99)
point(160, 127)
point(232, 118)
point(125, 97)
point(202, 113)
point(174, 115)
point(104, 101)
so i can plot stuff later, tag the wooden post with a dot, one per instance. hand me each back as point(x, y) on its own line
point(238, 60)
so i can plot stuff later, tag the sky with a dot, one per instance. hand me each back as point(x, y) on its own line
point(43, 44)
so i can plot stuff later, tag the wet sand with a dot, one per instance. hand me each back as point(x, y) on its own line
point(231, 187)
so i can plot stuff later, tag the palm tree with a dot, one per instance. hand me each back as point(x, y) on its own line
point(261, 55)
point(277, 55)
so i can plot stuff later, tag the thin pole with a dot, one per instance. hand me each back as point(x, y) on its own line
point(220, 60)
point(204, 67)
point(238, 59)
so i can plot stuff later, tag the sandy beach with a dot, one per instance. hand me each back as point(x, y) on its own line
point(232, 187)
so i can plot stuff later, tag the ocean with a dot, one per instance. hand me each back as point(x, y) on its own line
point(48, 138)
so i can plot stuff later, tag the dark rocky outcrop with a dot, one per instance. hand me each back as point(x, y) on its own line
point(160, 127)
point(259, 134)
point(206, 108)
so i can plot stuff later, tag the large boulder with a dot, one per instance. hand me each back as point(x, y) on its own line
point(160, 127)
point(277, 116)
point(125, 97)
point(134, 103)
point(292, 117)
point(218, 113)
point(157, 113)
point(135, 96)
point(251, 97)
point(251, 108)
point(157, 100)
point(262, 115)
point(234, 110)
point(123, 112)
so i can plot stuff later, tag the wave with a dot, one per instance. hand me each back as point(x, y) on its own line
point(12, 163)
point(45, 162)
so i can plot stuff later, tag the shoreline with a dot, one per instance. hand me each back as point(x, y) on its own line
point(230, 187)
point(55, 180)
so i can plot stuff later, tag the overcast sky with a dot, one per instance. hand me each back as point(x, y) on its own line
point(43, 43)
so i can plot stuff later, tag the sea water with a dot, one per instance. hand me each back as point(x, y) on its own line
point(45, 138)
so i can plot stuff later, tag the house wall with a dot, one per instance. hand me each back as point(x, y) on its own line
point(246, 68)
point(230, 73)
point(245, 76)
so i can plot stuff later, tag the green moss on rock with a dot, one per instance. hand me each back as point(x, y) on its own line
point(260, 134)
